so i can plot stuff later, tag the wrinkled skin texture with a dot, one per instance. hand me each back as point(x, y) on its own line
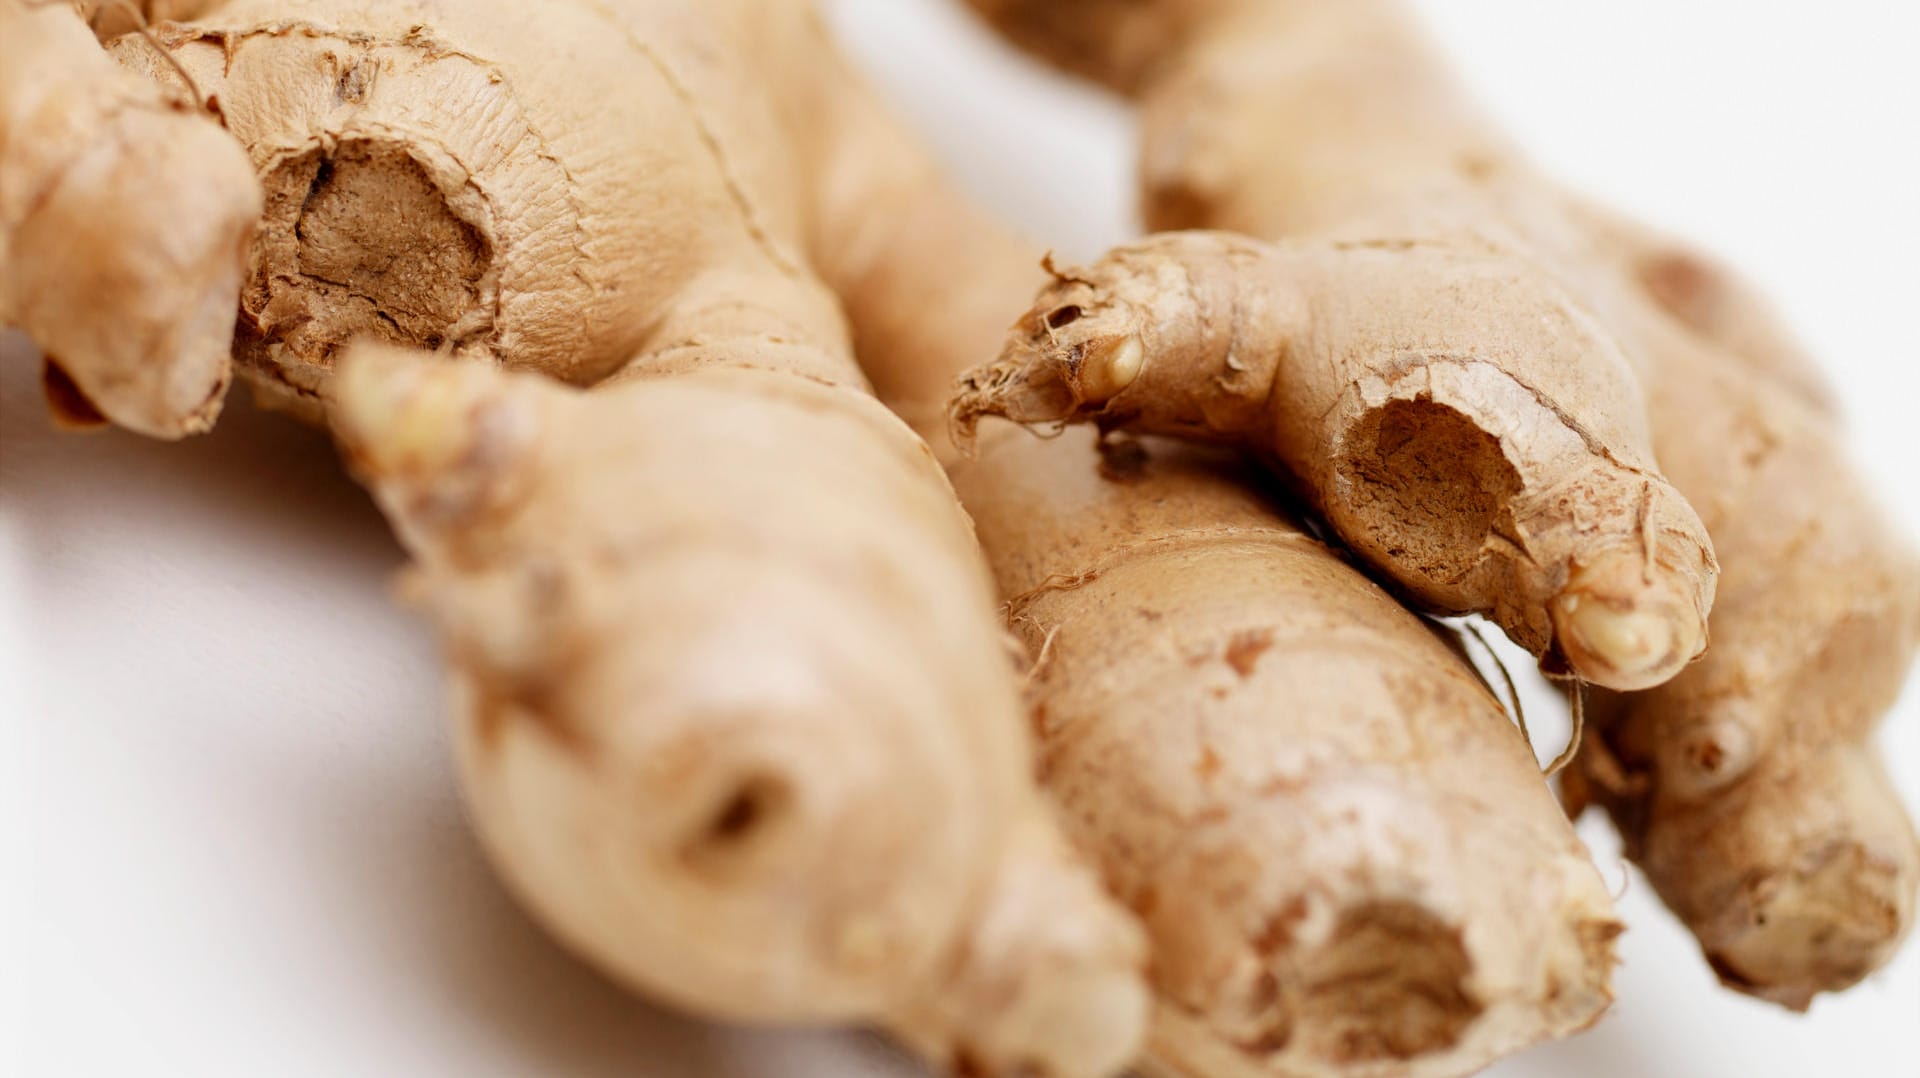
point(1746, 785)
point(733, 715)
point(1345, 858)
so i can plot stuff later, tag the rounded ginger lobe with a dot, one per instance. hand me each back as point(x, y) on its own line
point(711, 756)
point(1289, 779)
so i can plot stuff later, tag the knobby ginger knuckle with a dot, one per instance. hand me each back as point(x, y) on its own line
point(1755, 802)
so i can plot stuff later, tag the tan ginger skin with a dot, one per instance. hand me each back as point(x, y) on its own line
point(1746, 786)
point(734, 716)
point(1457, 458)
point(1344, 854)
point(94, 160)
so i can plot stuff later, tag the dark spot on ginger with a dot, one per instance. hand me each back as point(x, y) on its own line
point(355, 79)
point(1278, 935)
point(1478, 168)
point(1708, 755)
point(1176, 204)
point(1244, 650)
point(737, 818)
point(1685, 287)
point(747, 811)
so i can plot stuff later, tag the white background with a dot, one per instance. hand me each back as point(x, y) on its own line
point(229, 839)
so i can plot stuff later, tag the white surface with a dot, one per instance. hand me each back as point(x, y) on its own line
point(242, 853)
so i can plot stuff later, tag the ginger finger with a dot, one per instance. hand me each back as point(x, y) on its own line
point(1289, 778)
point(123, 224)
point(1752, 783)
point(1500, 471)
point(747, 769)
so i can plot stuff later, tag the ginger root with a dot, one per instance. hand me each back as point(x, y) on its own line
point(124, 218)
point(1343, 852)
point(733, 713)
point(1345, 858)
point(740, 766)
point(1748, 787)
point(1459, 420)
point(1745, 786)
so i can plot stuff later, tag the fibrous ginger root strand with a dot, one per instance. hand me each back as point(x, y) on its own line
point(123, 224)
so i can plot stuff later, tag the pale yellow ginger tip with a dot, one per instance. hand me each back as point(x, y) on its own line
point(1635, 647)
point(1109, 372)
point(405, 416)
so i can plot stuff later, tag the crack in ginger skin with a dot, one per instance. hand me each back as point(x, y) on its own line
point(733, 714)
point(1745, 785)
point(1346, 860)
